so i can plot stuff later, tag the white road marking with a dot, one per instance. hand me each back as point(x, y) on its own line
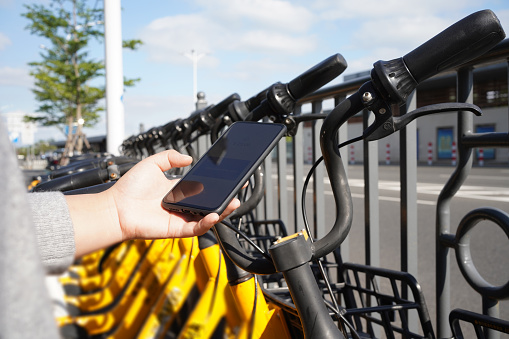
point(484, 193)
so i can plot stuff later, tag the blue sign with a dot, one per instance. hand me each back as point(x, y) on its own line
point(444, 143)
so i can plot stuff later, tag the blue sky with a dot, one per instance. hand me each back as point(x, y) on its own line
point(247, 46)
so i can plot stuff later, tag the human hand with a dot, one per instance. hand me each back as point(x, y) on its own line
point(137, 199)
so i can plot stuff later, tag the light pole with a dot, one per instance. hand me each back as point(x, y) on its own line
point(114, 76)
point(195, 56)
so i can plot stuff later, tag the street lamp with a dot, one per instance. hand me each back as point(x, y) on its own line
point(195, 57)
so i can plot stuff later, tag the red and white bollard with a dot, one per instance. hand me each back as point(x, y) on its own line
point(352, 154)
point(453, 153)
point(481, 157)
point(388, 155)
point(430, 153)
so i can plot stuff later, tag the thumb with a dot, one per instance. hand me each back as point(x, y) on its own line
point(171, 159)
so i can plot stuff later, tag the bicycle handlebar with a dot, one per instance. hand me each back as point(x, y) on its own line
point(461, 42)
point(469, 37)
point(281, 98)
point(390, 85)
point(78, 180)
point(219, 109)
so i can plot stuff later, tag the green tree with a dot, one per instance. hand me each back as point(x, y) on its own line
point(63, 77)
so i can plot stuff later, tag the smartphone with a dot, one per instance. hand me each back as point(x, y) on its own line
point(216, 178)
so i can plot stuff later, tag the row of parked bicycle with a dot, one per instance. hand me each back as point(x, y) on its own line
point(247, 277)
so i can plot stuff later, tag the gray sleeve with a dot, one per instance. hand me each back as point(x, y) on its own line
point(54, 230)
point(26, 307)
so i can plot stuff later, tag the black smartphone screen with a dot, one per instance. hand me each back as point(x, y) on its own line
point(215, 179)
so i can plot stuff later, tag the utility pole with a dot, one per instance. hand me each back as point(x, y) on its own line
point(114, 76)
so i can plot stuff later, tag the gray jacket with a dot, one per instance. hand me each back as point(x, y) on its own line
point(36, 237)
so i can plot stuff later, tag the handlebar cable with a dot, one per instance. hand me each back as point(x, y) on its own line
point(246, 238)
point(308, 178)
point(243, 197)
point(335, 306)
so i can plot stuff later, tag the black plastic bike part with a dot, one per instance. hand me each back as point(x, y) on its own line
point(255, 197)
point(239, 110)
point(291, 256)
point(202, 121)
point(463, 41)
point(127, 147)
point(206, 240)
point(464, 257)
point(238, 255)
point(87, 178)
point(235, 274)
point(292, 121)
point(208, 117)
point(281, 98)
point(361, 283)
point(384, 126)
point(336, 172)
point(152, 136)
point(391, 83)
point(83, 164)
point(480, 322)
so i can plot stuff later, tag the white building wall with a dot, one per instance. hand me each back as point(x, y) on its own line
point(427, 128)
point(20, 133)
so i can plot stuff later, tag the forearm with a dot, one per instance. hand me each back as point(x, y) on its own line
point(54, 230)
point(95, 221)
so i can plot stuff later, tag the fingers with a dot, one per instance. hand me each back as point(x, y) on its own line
point(213, 218)
point(170, 159)
point(232, 206)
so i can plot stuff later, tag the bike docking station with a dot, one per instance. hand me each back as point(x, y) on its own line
point(249, 278)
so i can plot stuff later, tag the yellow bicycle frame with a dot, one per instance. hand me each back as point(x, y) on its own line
point(142, 280)
point(101, 280)
point(103, 298)
point(175, 293)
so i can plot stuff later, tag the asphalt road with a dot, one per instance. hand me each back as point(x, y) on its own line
point(489, 244)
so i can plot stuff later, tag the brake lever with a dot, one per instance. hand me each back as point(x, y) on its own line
point(292, 121)
point(386, 125)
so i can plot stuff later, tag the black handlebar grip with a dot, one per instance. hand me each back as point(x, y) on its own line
point(239, 110)
point(317, 76)
point(463, 41)
point(94, 176)
point(168, 127)
point(218, 109)
point(282, 98)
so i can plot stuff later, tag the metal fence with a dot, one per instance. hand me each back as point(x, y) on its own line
point(288, 163)
point(278, 204)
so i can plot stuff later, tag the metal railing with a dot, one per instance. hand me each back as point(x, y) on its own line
point(278, 204)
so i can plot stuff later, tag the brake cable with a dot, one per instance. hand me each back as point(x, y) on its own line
point(335, 306)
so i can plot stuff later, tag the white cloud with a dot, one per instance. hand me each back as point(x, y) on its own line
point(272, 14)
point(399, 35)
point(255, 70)
point(259, 26)
point(4, 41)
point(168, 38)
point(15, 77)
point(273, 41)
point(367, 9)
